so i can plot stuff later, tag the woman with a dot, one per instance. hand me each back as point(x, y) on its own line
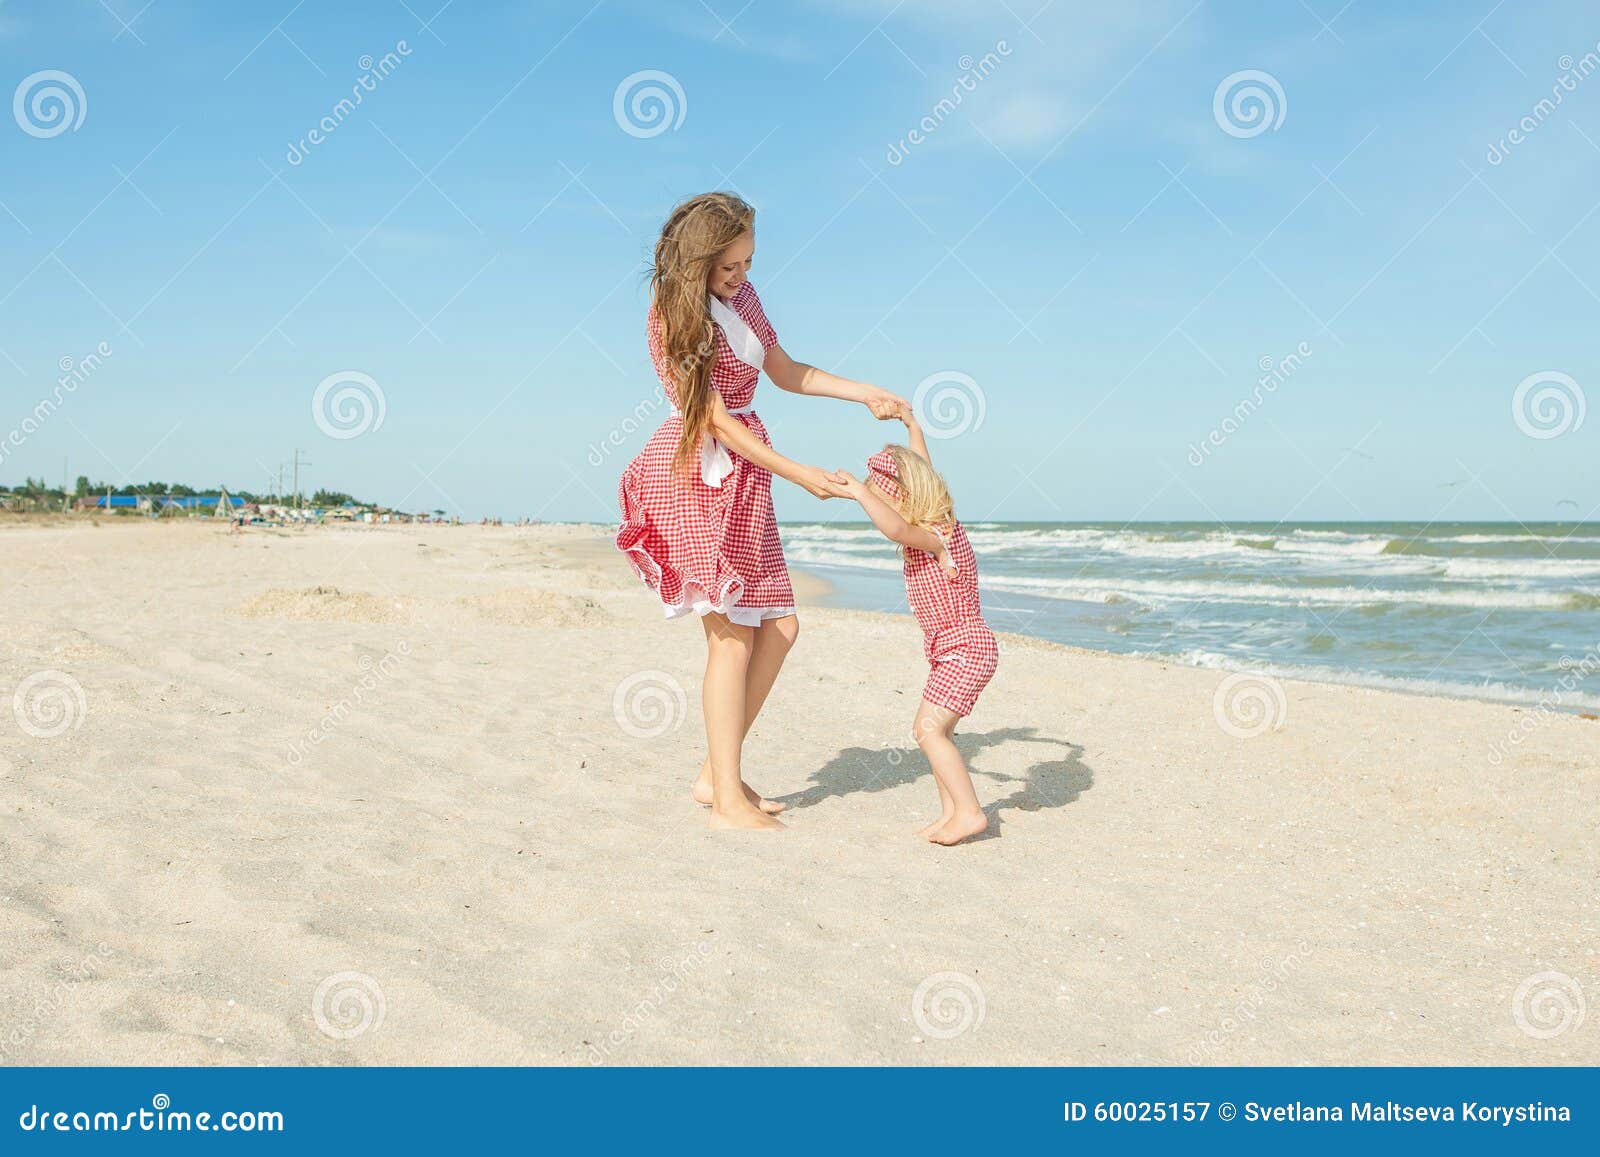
point(697, 520)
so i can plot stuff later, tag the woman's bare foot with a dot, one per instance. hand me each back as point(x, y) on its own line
point(702, 793)
point(745, 816)
point(960, 827)
point(944, 818)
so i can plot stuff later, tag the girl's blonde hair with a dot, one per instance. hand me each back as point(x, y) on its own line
point(924, 498)
point(695, 233)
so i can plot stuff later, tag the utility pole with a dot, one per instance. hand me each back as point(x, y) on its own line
point(298, 502)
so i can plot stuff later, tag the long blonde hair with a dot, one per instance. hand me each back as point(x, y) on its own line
point(924, 498)
point(694, 234)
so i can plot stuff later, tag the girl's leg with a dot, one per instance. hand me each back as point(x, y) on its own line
point(773, 640)
point(947, 811)
point(728, 652)
point(934, 730)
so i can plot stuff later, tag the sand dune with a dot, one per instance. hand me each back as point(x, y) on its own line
point(381, 795)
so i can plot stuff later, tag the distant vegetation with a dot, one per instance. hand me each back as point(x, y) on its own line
point(36, 494)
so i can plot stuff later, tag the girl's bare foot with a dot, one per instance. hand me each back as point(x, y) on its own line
point(745, 816)
point(960, 827)
point(944, 818)
point(702, 793)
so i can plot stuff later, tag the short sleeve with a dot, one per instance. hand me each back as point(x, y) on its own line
point(748, 305)
point(658, 354)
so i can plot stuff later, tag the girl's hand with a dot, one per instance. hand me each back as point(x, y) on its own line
point(819, 483)
point(849, 484)
point(884, 404)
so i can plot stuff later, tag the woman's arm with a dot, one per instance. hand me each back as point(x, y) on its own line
point(892, 524)
point(736, 436)
point(800, 378)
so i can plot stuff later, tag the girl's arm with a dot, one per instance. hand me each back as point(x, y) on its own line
point(914, 439)
point(799, 378)
point(892, 524)
point(736, 436)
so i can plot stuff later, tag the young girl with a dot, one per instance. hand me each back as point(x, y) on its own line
point(908, 501)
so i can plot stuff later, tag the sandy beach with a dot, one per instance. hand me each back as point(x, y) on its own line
point(391, 795)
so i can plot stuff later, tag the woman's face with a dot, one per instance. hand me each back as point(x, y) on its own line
point(732, 266)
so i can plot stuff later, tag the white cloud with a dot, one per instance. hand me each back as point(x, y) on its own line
point(1028, 120)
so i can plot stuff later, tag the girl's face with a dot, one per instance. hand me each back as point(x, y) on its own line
point(731, 267)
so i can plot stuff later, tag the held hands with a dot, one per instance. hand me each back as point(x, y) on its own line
point(849, 483)
point(820, 483)
point(885, 405)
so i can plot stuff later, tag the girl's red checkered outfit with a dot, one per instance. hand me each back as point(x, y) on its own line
point(704, 547)
point(960, 648)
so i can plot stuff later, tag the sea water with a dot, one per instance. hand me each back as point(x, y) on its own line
point(1502, 611)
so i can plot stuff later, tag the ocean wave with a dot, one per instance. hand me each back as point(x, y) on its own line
point(878, 560)
point(1526, 569)
point(1156, 591)
point(1490, 690)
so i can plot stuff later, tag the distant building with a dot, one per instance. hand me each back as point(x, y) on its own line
point(145, 503)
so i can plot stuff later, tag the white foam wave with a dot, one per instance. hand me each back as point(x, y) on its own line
point(1154, 591)
point(1488, 690)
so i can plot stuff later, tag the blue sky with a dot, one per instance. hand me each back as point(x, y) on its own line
point(1081, 238)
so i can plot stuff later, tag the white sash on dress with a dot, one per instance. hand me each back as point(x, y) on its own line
point(715, 463)
point(742, 340)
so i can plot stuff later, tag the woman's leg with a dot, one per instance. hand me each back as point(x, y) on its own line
point(934, 730)
point(729, 648)
point(774, 639)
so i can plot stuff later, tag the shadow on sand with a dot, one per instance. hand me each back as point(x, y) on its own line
point(1049, 783)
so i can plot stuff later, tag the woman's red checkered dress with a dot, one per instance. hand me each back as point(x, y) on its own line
point(701, 547)
point(960, 648)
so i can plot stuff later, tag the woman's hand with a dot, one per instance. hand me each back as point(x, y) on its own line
point(884, 404)
point(848, 482)
point(820, 483)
